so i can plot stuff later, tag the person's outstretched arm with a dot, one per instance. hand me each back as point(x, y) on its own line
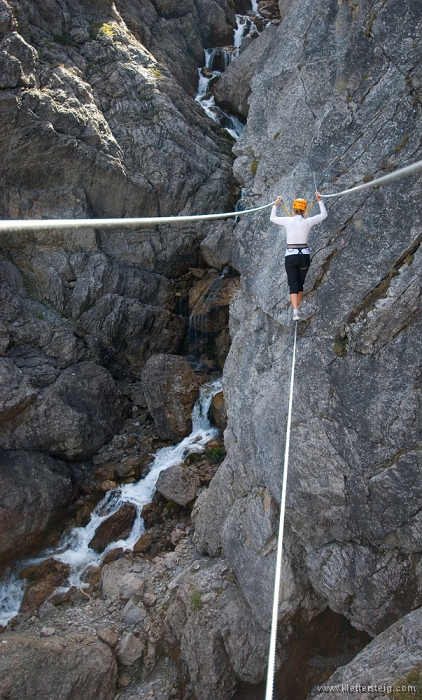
point(312, 220)
point(279, 220)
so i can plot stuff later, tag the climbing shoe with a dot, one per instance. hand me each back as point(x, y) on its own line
point(296, 315)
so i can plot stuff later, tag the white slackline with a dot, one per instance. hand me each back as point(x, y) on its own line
point(403, 172)
point(273, 638)
point(16, 226)
point(10, 226)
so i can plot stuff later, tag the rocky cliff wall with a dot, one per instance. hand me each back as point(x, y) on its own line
point(336, 93)
point(97, 116)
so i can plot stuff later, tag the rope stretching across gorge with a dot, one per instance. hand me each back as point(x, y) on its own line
point(16, 226)
point(273, 637)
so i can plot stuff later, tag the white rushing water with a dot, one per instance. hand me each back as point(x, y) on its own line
point(216, 61)
point(74, 549)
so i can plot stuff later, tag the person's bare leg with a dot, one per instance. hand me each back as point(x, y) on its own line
point(296, 299)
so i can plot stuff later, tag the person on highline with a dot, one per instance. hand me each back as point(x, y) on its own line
point(297, 258)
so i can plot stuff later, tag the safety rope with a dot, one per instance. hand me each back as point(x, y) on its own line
point(273, 637)
point(396, 175)
point(16, 226)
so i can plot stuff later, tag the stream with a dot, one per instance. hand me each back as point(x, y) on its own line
point(216, 60)
point(74, 548)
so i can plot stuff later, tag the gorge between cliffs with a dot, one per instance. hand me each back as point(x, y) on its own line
point(144, 373)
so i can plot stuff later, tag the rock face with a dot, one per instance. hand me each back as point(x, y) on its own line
point(391, 663)
point(232, 90)
point(34, 490)
point(65, 668)
point(171, 389)
point(352, 539)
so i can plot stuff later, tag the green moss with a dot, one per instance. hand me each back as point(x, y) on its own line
point(369, 26)
point(276, 135)
point(196, 600)
point(107, 29)
point(340, 346)
point(368, 178)
point(254, 167)
point(156, 72)
point(63, 40)
point(216, 454)
point(408, 687)
point(40, 316)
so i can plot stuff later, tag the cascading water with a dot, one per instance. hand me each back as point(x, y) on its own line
point(74, 549)
point(216, 61)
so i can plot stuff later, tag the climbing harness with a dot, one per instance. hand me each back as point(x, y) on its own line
point(403, 172)
point(273, 637)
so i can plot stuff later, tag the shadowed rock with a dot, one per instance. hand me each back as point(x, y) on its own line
point(116, 527)
point(34, 490)
point(171, 389)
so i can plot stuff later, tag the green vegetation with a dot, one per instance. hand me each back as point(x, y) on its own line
point(63, 40)
point(196, 600)
point(368, 178)
point(340, 346)
point(107, 29)
point(406, 685)
point(216, 454)
point(276, 135)
point(254, 167)
point(156, 72)
point(40, 316)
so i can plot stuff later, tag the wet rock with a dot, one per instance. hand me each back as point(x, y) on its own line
point(218, 411)
point(64, 668)
point(129, 649)
point(35, 489)
point(234, 87)
point(171, 389)
point(116, 527)
point(178, 484)
point(211, 312)
point(43, 579)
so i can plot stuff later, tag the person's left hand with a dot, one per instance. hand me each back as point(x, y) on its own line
point(318, 196)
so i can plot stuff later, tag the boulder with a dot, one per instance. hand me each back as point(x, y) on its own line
point(43, 579)
point(129, 649)
point(34, 491)
point(218, 411)
point(72, 417)
point(44, 668)
point(217, 246)
point(116, 527)
point(171, 389)
point(178, 484)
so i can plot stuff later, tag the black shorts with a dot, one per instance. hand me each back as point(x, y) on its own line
point(296, 267)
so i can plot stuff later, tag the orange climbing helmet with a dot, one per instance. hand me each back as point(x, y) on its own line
point(300, 204)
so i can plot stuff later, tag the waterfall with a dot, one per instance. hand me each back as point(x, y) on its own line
point(74, 549)
point(216, 61)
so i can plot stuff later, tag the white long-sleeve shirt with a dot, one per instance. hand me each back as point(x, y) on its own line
point(297, 228)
